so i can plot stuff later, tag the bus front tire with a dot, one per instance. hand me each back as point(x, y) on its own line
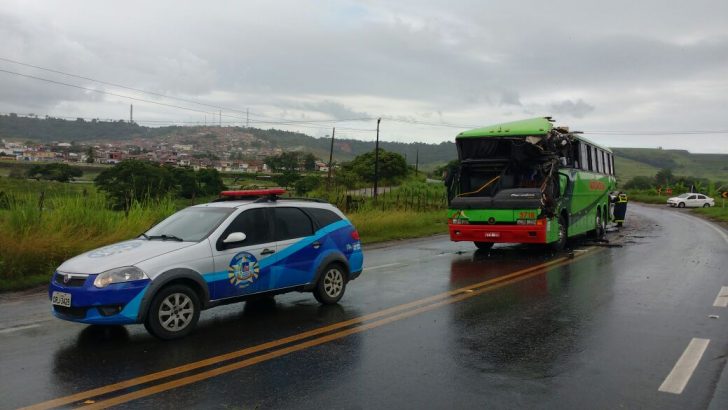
point(560, 243)
point(484, 245)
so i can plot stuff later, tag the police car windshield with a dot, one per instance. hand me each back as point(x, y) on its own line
point(683, 195)
point(189, 225)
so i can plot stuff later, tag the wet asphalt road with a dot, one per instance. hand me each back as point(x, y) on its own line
point(601, 330)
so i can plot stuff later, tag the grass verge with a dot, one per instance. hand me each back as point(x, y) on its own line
point(717, 213)
point(34, 242)
point(380, 226)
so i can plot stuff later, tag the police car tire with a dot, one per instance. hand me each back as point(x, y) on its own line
point(155, 327)
point(333, 272)
point(681, 205)
point(706, 205)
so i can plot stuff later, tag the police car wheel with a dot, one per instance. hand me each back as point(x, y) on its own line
point(681, 205)
point(173, 313)
point(331, 285)
point(706, 205)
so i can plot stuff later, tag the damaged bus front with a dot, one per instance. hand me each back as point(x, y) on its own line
point(528, 182)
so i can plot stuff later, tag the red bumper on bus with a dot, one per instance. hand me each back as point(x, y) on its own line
point(498, 233)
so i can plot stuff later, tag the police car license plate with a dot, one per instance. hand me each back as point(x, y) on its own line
point(61, 299)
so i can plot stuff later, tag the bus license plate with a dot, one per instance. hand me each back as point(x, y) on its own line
point(61, 299)
point(492, 234)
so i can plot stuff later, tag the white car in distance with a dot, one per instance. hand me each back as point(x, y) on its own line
point(691, 200)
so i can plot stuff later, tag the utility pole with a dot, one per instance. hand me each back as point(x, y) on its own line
point(331, 154)
point(220, 118)
point(131, 113)
point(376, 160)
point(247, 118)
point(417, 161)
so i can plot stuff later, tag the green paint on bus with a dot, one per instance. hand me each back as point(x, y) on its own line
point(520, 182)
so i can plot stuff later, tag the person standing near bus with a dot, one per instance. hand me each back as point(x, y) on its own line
point(620, 208)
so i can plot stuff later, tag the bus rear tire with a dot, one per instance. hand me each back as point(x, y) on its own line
point(483, 245)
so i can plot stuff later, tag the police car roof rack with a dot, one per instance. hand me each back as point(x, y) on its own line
point(262, 195)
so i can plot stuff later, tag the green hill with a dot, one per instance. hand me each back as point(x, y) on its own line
point(48, 129)
point(631, 162)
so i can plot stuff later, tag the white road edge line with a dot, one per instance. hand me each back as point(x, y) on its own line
point(381, 266)
point(722, 299)
point(17, 328)
point(680, 375)
point(704, 222)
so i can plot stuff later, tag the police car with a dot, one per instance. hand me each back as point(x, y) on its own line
point(246, 244)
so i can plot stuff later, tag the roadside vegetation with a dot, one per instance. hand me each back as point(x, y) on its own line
point(44, 222)
point(654, 190)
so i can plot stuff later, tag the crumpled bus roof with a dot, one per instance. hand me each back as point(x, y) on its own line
point(531, 126)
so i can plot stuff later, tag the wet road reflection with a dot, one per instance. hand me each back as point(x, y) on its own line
point(460, 328)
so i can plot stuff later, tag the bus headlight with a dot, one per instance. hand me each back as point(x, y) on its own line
point(119, 275)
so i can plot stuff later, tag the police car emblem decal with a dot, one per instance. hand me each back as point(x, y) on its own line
point(243, 270)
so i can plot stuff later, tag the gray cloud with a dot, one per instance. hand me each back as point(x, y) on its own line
point(638, 64)
point(576, 109)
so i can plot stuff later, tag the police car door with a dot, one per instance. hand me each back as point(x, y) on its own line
point(296, 246)
point(238, 264)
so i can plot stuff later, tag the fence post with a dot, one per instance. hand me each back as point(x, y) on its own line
point(41, 201)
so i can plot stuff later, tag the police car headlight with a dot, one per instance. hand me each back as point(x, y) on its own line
point(119, 275)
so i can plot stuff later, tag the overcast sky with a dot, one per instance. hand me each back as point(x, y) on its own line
point(617, 67)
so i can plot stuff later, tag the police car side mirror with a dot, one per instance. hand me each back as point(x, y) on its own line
point(234, 237)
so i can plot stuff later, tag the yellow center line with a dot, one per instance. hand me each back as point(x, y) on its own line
point(279, 342)
point(173, 384)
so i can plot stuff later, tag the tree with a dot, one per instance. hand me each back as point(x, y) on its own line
point(90, 155)
point(54, 172)
point(134, 181)
point(392, 167)
point(210, 182)
point(309, 162)
point(639, 182)
point(287, 178)
point(664, 177)
point(287, 161)
point(307, 184)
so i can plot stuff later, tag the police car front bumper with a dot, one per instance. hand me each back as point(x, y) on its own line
point(116, 304)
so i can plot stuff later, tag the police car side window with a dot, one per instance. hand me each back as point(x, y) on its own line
point(291, 223)
point(254, 223)
point(323, 216)
point(693, 197)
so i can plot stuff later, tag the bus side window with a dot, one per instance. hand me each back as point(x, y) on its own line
point(589, 158)
point(583, 157)
point(609, 163)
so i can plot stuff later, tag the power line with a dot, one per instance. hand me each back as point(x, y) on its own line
point(303, 124)
point(298, 123)
point(189, 101)
point(102, 91)
point(119, 85)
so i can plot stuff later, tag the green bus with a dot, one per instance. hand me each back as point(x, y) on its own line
point(528, 182)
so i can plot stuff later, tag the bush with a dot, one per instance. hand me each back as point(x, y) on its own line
point(54, 172)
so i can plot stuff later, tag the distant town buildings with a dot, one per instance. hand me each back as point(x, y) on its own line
point(208, 149)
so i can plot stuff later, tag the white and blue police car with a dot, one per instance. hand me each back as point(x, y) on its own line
point(246, 244)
